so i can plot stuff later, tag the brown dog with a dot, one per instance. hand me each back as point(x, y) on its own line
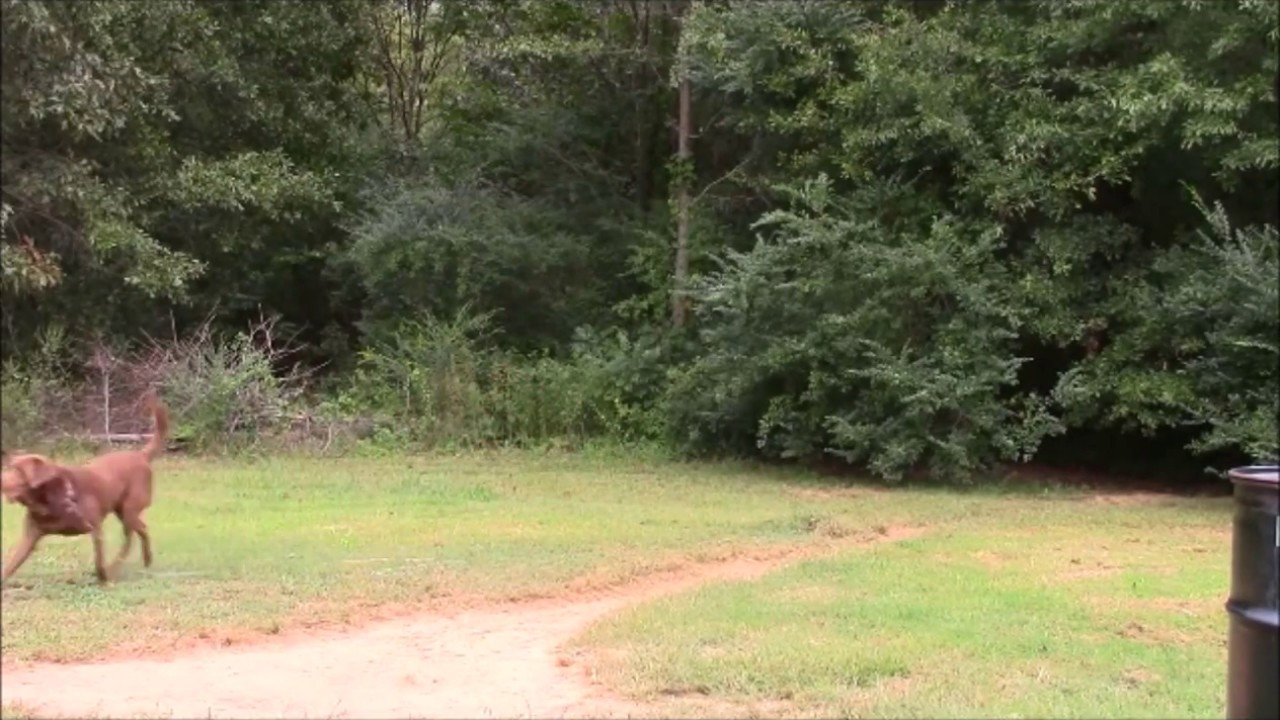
point(74, 500)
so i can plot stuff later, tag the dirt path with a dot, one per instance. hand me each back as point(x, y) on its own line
point(502, 661)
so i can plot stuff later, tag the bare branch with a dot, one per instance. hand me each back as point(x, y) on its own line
point(734, 173)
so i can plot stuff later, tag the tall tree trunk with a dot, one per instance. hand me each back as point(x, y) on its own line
point(679, 298)
point(643, 99)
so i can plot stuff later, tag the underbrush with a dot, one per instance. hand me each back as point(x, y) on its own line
point(423, 384)
point(432, 383)
point(225, 393)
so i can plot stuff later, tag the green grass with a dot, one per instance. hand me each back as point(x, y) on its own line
point(248, 547)
point(1013, 603)
point(1035, 609)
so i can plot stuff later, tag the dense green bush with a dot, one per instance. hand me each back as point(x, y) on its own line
point(1201, 346)
point(1045, 244)
point(432, 383)
point(425, 377)
point(881, 341)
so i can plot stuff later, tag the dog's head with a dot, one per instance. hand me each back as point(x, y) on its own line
point(24, 473)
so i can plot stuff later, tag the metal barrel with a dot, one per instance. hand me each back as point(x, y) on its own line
point(1253, 638)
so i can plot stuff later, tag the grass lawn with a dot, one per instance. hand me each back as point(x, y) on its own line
point(1037, 609)
point(1026, 603)
point(259, 546)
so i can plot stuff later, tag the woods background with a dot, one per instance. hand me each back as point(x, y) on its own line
point(909, 236)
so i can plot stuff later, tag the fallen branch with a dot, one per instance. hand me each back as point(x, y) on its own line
point(120, 437)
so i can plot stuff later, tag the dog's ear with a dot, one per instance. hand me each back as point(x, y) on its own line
point(26, 473)
point(36, 470)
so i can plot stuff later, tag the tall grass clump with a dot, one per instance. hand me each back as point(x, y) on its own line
point(436, 382)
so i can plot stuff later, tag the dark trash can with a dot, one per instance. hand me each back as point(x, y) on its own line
point(1253, 638)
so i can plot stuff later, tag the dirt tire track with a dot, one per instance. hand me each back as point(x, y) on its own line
point(502, 661)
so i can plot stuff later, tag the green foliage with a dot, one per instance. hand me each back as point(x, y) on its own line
point(184, 152)
point(628, 376)
point(427, 247)
point(1202, 345)
point(224, 392)
point(72, 81)
point(426, 374)
point(1053, 141)
point(979, 223)
point(432, 383)
point(34, 386)
point(845, 332)
point(514, 201)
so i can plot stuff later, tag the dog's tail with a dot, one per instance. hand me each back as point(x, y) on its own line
point(160, 436)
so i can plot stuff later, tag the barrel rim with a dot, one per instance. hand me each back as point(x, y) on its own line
point(1255, 474)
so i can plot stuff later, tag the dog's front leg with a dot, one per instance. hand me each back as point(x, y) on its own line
point(30, 536)
point(99, 562)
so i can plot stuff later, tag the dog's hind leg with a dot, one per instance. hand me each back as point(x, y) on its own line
point(140, 526)
point(128, 542)
point(30, 537)
point(133, 523)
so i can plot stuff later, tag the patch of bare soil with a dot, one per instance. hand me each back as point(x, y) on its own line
point(1156, 635)
point(498, 661)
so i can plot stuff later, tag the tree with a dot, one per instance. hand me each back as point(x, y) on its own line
point(184, 153)
point(1046, 134)
point(679, 300)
